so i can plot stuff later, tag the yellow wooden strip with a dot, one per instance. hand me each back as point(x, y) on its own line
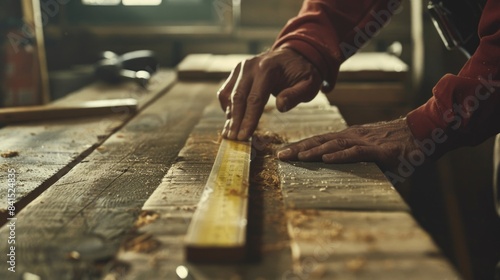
point(217, 230)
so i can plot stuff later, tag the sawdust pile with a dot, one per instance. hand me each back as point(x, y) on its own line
point(264, 146)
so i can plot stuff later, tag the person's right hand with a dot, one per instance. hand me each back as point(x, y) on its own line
point(281, 72)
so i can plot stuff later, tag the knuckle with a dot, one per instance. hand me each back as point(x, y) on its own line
point(254, 99)
point(373, 140)
point(320, 139)
point(251, 62)
point(359, 130)
point(342, 143)
point(265, 63)
point(222, 95)
point(357, 150)
point(238, 96)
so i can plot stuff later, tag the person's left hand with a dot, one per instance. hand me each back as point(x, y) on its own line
point(384, 143)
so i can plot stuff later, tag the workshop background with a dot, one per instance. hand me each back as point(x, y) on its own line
point(451, 198)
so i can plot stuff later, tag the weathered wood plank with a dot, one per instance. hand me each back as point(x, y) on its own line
point(363, 245)
point(348, 244)
point(208, 66)
point(174, 201)
point(340, 186)
point(87, 212)
point(159, 82)
point(367, 66)
point(359, 186)
point(48, 150)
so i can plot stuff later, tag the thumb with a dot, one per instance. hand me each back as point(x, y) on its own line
point(302, 91)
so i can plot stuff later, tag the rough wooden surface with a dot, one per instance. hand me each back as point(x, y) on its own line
point(48, 150)
point(363, 245)
point(81, 219)
point(123, 211)
point(174, 201)
point(359, 186)
point(372, 237)
point(370, 66)
point(208, 66)
point(346, 244)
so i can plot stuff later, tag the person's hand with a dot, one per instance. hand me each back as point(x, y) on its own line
point(282, 72)
point(384, 143)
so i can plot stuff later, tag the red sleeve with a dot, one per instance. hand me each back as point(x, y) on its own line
point(465, 108)
point(327, 32)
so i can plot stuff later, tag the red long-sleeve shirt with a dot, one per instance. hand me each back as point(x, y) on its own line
point(464, 109)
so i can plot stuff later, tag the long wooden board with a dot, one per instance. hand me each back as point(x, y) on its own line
point(347, 221)
point(363, 245)
point(373, 239)
point(82, 218)
point(359, 186)
point(48, 150)
point(368, 66)
point(174, 202)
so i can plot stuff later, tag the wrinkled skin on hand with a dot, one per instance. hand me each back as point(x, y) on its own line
point(282, 72)
point(384, 143)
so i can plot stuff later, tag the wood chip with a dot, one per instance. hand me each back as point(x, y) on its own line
point(145, 218)
point(143, 243)
point(10, 154)
point(355, 265)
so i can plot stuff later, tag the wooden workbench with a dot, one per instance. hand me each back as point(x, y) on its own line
point(111, 197)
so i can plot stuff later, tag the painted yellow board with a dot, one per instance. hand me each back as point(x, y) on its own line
point(217, 231)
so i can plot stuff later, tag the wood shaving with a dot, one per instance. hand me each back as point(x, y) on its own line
point(143, 243)
point(10, 154)
point(266, 142)
point(145, 218)
point(356, 264)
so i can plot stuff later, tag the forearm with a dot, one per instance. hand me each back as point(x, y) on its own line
point(466, 107)
point(329, 32)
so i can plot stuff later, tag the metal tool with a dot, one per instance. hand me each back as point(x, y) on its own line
point(137, 66)
point(217, 232)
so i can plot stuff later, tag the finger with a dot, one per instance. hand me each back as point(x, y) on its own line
point(224, 93)
point(256, 102)
point(291, 151)
point(354, 154)
point(339, 144)
point(302, 91)
point(238, 101)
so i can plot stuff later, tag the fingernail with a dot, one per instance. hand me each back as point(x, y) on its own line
point(242, 135)
point(284, 153)
point(301, 156)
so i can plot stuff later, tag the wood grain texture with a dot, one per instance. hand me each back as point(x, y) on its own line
point(48, 150)
point(360, 186)
point(326, 243)
point(363, 245)
point(208, 66)
point(91, 208)
point(347, 221)
point(125, 209)
point(362, 67)
point(175, 200)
